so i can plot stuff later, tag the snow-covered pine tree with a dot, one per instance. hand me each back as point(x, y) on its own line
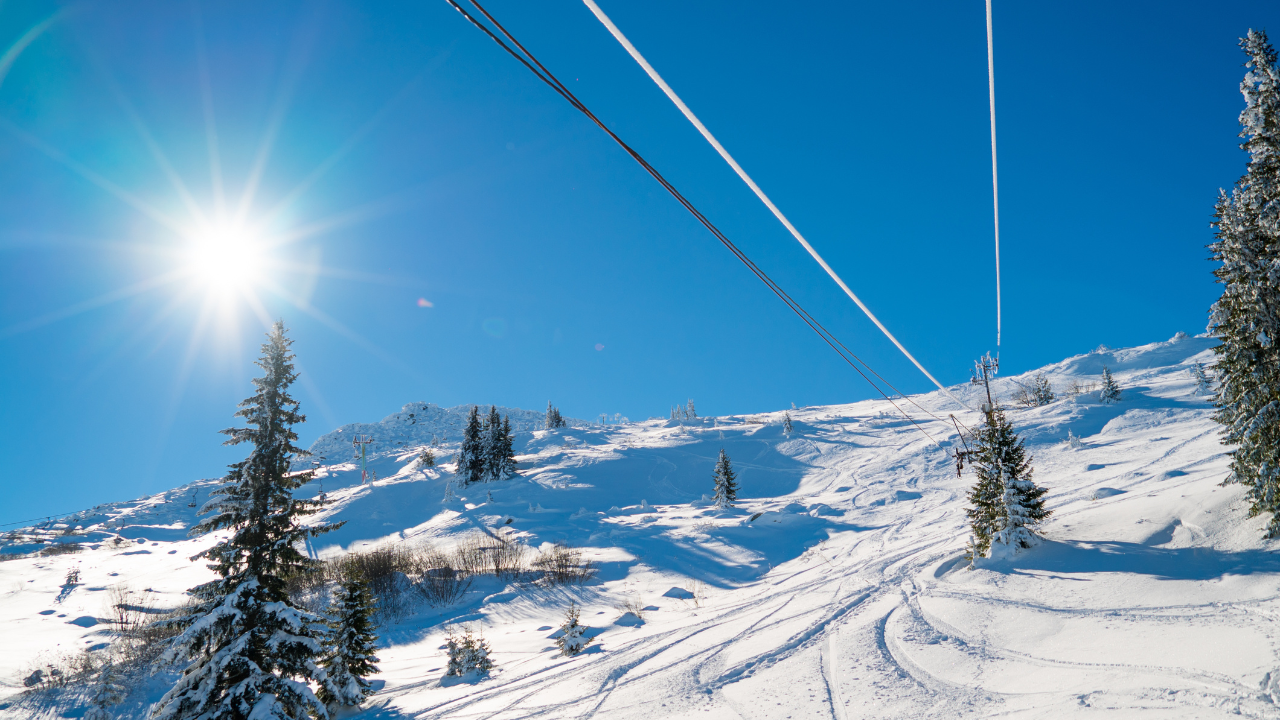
point(1005, 505)
point(467, 653)
point(507, 456)
point(1204, 383)
point(427, 458)
point(786, 423)
point(726, 483)
point(554, 418)
point(1246, 318)
point(493, 445)
point(1041, 391)
point(252, 652)
point(107, 691)
point(1110, 392)
point(350, 659)
point(691, 411)
point(573, 638)
point(471, 457)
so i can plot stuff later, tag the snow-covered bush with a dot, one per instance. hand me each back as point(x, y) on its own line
point(468, 653)
point(573, 638)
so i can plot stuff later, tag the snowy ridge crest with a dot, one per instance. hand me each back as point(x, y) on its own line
point(418, 423)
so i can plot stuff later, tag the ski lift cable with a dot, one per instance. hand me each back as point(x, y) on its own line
point(995, 184)
point(653, 75)
point(549, 78)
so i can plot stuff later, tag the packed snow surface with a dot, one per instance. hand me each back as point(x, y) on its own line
point(836, 588)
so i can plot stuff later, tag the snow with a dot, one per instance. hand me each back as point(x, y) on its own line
point(836, 588)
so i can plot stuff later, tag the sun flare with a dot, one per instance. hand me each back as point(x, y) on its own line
point(226, 259)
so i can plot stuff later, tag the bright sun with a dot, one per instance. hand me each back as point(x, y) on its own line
point(226, 259)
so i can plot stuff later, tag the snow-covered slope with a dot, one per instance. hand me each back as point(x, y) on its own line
point(835, 589)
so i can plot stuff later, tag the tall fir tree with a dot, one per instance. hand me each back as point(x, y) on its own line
point(507, 456)
point(252, 652)
point(726, 490)
point(1005, 505)
point(1246, 318)
point(352, 645)
point(471, 459)
point(1110, 392)
point(494, 441)
point(554, 419)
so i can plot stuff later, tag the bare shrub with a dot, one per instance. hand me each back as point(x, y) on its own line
point(635, 606)
point(439, 582)
point(482, 554)
point(1079, 388)
point(698, 589)
point(129, 611)
point(507, 559)
point(380, 567)
point(564, 565)
point(62, 549)
point(471, 554)
point(402, 576)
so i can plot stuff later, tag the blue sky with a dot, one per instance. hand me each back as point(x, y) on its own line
point(391, 153)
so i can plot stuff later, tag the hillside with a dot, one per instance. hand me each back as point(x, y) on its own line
point(835, 589)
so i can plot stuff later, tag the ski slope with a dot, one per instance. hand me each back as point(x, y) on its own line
point(836, 588)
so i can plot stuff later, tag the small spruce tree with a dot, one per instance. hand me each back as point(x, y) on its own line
point(726, 489)
point(252, 651)
point(1004, 504)
point(1110, 389)
point(427, 458)
point(573, 638)
point(786, 423)
point(467, 653)
point(1204, 383)
point(471, 459)
point(107, 691)
point(350, 659)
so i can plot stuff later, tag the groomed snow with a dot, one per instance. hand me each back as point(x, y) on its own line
point(836, 588)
